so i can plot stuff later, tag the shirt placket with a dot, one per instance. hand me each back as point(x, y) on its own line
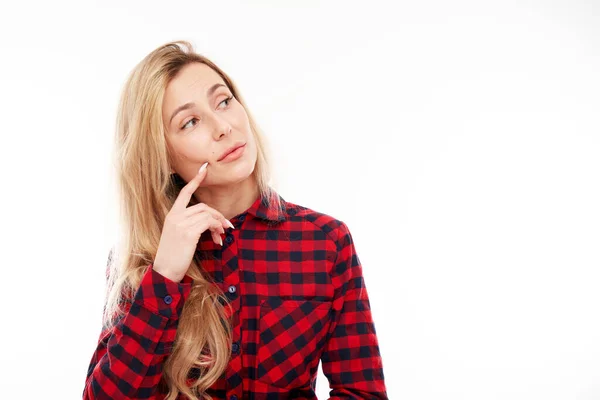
point(231, 288)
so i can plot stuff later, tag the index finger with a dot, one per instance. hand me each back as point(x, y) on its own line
point(185, 195)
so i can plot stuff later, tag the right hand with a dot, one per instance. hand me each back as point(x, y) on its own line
point(182, 229)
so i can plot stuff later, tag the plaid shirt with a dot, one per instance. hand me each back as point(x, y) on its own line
point(298, 297)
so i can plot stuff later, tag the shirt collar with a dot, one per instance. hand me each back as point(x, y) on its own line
point(265, 208)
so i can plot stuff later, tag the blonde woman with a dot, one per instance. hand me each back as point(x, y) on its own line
point(219, 288)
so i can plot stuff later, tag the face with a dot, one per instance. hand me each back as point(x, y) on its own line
point(203, 120)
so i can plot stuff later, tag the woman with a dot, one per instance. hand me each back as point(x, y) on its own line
point(190, 315)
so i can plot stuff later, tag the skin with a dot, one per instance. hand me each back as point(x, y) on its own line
point(203, 132)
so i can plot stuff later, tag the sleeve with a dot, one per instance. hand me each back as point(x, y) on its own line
point(127, 362)
point(351, 360)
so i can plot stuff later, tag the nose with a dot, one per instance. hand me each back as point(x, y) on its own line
point(221, 126)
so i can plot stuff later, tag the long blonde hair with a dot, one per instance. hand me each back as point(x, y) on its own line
point(146, 192)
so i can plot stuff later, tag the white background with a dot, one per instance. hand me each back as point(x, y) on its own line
point(460, 142)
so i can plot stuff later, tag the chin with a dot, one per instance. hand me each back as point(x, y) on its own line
point(236, 171)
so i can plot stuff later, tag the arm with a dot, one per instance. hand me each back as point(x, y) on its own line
point(127, 362)
point(351, 360)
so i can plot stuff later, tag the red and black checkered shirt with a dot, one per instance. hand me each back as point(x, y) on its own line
point(298, 297)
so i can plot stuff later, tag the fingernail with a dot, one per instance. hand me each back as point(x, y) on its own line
point(203, 167)
point(221, 240)
point(230, 224)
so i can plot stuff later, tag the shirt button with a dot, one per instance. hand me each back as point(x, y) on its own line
point(168, 299)
point(231, 289)
point(235, 348)
point(228, 239)
point(242, 217)
point(233, 397)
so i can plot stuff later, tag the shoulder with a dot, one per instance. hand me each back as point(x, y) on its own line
point(304, 218)
point(326, 236)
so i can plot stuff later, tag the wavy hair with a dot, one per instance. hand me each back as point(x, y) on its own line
point(146, 191)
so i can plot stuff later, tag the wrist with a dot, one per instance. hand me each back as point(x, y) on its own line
point(167, 274)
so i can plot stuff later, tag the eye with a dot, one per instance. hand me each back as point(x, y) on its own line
point(186, 124)
point(227, 100)
point(194, 118)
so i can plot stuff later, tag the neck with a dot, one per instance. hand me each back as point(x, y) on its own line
point(230, 200)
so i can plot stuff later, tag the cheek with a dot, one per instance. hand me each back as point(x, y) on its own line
point(240, 116)
point(194, 150)
point(251, 143)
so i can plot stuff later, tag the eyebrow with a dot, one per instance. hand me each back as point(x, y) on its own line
point(188, 105)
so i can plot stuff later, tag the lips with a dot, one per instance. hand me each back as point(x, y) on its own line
point(230, 150)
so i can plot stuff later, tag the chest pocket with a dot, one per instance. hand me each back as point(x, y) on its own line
point(292, 337)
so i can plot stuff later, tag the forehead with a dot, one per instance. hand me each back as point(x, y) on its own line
point(190, 84)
